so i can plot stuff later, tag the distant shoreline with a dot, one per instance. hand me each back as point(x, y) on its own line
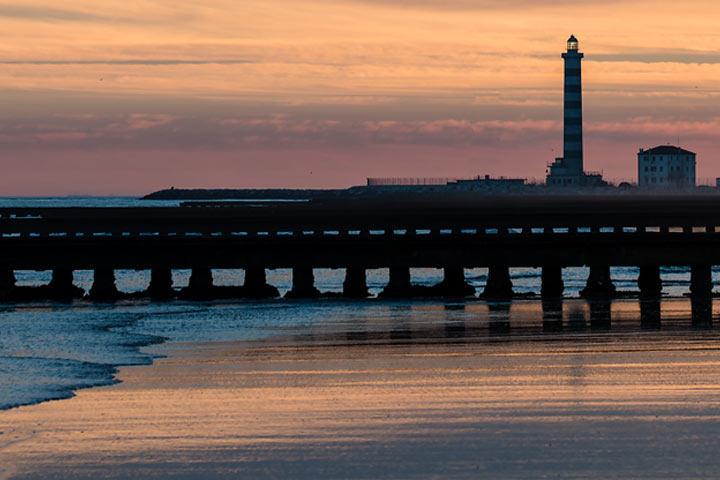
point(223, 194)
point(360, 192)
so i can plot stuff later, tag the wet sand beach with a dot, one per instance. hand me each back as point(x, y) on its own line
point(392, 404)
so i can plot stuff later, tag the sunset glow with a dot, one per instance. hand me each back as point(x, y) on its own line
point(137, 95)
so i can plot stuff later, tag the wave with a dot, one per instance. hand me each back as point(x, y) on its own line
point(30, 380)
point(49, 353)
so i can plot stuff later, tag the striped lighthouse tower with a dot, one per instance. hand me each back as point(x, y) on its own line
point(573, 138)
point(568, 170)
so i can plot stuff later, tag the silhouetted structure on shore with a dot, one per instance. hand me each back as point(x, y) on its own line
point(568, 171)
point(666, 166)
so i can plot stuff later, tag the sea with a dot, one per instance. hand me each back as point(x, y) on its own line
point(49, 350)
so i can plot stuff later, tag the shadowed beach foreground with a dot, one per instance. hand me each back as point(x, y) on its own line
point(354, 405)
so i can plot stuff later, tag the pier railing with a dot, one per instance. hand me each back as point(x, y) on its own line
point(513, 217)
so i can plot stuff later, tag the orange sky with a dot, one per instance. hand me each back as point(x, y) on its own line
point(136, 95)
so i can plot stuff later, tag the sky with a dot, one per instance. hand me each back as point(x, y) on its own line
point(126, 97)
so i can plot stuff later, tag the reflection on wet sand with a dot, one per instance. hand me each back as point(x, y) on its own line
point(400, 329)
point(576, 321)
point(499, 318)
point(358, 333)
point(553, 317)
point(600, 315)
point(552, 309)
point(701, 308)
point(454, 324)
point(413, 391)
point(650, 313)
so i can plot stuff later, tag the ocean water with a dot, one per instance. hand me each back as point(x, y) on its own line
point(84, 201)
point(48, 350)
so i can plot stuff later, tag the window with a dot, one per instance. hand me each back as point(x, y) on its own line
point(661, 169)
point(654, 180)
point(646, 169)
point(661, 180)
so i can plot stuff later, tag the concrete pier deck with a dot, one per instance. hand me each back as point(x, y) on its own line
point(496, 232)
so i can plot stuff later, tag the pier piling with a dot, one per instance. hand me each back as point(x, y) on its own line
point(552, 282)
point(61, 285)
point(599, 283)
point(454, 284)
point(161, 283)
point(355, 284)
point(498, 283)
point(7, 281)
point(701, 280)
point(399, 283)
point(200, 285)
point(303, 284)
point(649, 281)
point(103, 287)
point(256, 285)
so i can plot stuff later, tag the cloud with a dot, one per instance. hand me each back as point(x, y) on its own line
point(47, 13)
point(155, 132)
point(664, 56)
point(477, 4)
point(643, 127)
point(162, 132)
point(140, 62)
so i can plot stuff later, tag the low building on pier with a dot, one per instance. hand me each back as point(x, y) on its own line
point(477, 183)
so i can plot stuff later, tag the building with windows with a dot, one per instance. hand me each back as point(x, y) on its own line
point(666, 166)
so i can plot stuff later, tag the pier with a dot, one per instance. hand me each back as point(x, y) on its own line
point(498, 233)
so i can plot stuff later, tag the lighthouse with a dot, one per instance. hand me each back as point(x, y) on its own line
point(573, 138)
point(568, 170)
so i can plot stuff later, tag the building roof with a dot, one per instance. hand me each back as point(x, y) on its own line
point(667, 150)
point(572, 38)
